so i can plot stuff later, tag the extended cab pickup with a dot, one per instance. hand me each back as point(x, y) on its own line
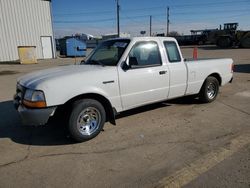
point(120, 74)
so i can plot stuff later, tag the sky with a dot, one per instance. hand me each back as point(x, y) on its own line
point(98, 17)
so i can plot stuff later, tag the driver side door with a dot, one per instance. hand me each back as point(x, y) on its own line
point(146, 80)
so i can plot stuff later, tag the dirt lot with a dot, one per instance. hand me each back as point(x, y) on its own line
point(171, 144)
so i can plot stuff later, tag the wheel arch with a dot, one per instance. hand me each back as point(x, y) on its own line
point(110, 111)
point(203, 93)
point(217, 76)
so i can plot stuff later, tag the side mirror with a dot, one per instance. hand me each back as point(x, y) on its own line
point(129, 63)
point(125, 66)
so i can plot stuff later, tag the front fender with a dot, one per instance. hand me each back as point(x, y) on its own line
point(58, 95)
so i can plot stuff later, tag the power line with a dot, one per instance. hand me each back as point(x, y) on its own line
point(191, 20)
point(84, 21)
point(146, 15)
point(186, 13)
point(168, 21)
point(125, 17)
point(150, 26)
point(205, 4)
point(84, 13)
point(118, 17)
point(194, 5)
point(208, 12)
point(202, 13)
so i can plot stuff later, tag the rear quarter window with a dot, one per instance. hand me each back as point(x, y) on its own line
point(172, 52)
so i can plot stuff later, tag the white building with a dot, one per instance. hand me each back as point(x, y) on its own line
point(26, 23)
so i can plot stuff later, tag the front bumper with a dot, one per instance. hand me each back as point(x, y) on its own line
point(39, 116)
point(35, 116)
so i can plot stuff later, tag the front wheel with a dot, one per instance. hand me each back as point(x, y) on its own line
point(209, 90)
point(86, 119)
point(224, 42)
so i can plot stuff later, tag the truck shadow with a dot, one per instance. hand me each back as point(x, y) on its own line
point(56, 133)
point(142, 109)
point(11, 127)
point(188, 100)
point(242, 68)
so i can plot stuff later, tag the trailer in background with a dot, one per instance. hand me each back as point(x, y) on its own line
point(73, 46)
point(197, 37)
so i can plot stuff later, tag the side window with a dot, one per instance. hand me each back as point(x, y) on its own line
point(172, 51)
point(145, 54)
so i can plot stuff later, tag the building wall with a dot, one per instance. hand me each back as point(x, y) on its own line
point(22, 23)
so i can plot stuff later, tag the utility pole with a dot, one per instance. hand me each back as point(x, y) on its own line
point(150, 26)
point(118, 17)
point(167, 20)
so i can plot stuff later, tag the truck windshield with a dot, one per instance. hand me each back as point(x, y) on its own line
point(108, 53)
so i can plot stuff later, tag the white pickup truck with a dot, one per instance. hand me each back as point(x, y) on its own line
point(120, 74)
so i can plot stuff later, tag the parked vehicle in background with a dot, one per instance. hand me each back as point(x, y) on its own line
point(229, 36)
point(184, 40)
point(197, 37)
point(120, 74)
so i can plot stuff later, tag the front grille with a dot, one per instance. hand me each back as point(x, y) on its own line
point(20, 90)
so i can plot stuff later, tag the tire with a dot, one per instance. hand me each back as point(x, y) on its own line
point(86, 119)
point(209, 90)
point(224, 42)
point(245, 43)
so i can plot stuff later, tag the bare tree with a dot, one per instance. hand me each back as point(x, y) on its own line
point(174, 34)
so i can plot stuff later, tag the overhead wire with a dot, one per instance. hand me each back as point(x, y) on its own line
point(194, 5)
point(141, 18)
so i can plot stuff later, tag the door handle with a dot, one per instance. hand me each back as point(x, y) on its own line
point(108, 82)
point(163, 72)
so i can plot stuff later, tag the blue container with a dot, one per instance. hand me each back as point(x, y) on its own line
point(72, 47)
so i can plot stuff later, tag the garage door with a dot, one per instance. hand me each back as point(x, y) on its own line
point(47, 47)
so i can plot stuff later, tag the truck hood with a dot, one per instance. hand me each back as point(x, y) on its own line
point(35, 79)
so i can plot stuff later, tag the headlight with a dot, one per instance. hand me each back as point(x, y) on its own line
point(34, 99)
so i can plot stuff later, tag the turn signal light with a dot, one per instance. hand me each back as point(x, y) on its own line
point(37, 104)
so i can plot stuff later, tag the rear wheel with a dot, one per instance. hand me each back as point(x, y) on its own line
point(209, 90)
point(245, 43)
point(86, 119)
